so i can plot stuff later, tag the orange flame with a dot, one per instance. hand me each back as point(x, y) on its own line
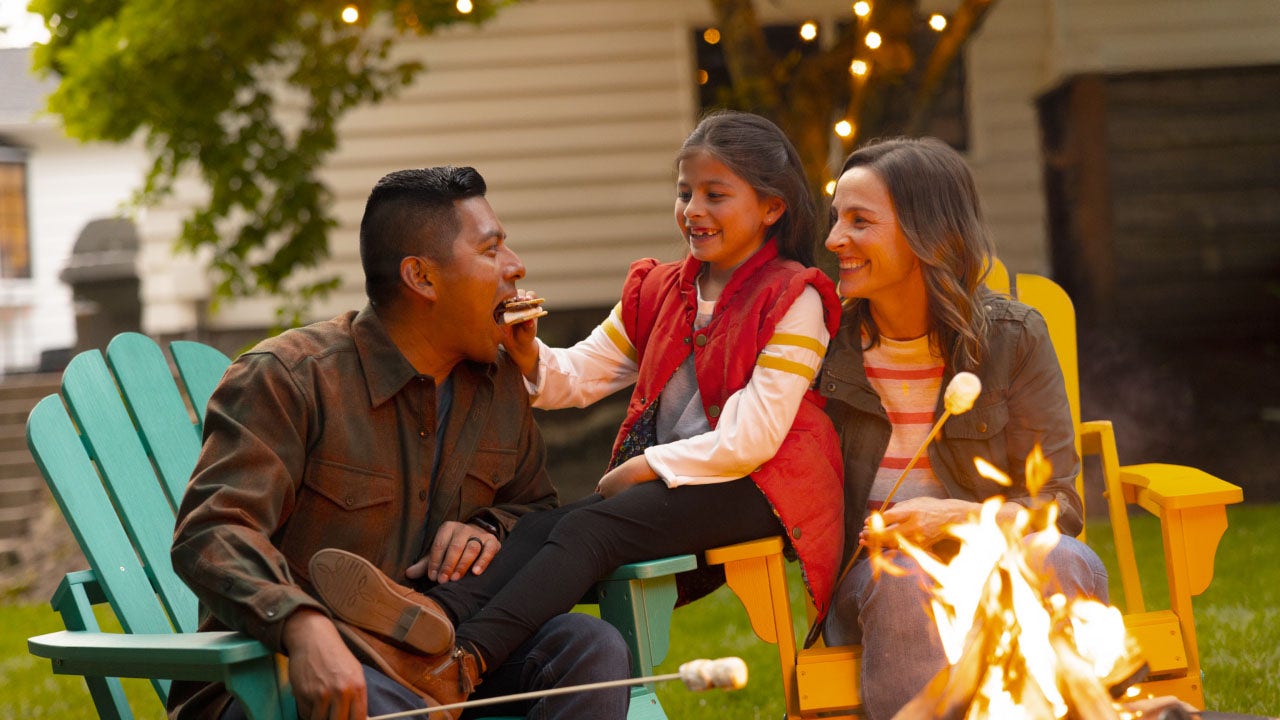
point(1024, 655)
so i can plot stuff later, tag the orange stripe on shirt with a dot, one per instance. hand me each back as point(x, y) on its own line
point(911, 418)
point(899, 463)
point(901, 374)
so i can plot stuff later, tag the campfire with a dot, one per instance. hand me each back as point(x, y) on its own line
point(1014, 653)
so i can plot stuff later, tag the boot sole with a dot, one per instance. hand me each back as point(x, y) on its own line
point(356, 591)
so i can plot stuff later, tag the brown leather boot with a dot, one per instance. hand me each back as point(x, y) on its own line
point(442, 679)
point(358, 592)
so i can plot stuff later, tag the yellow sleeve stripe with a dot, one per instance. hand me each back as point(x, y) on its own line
point(611, 327)
point(803, 341)
point(791, 366)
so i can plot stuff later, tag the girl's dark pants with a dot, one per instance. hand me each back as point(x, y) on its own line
point(552, 558)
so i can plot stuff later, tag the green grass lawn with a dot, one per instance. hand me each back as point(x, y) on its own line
point(1237, 619)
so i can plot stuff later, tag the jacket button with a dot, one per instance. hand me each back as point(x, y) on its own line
point(795, 532)
point(422, 495)
point(982, 427)
point(700, 340)
point(831, 387)
point(713, 411)
point(350, 501)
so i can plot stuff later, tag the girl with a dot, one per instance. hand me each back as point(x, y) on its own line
point(913, 253)
point(723, 440)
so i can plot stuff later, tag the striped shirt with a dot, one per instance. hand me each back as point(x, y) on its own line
point(907, 377)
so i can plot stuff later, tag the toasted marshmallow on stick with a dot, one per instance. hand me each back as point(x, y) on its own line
point(727, 673)
point(520, 309)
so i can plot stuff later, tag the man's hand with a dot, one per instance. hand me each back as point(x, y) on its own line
point(921, 521)
point(328, 682)
point(457, 548)
point(518, 339)
point(632, 472)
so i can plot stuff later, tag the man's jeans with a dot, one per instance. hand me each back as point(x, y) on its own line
point(890, 617)
point(571, 649)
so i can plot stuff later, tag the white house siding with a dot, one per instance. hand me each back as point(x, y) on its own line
point(68, 184)
point(1007, 64)
point(571, 109)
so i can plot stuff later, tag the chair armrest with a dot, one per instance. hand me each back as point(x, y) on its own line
point(1158, 485)
point(177, 656)
point(654, 568)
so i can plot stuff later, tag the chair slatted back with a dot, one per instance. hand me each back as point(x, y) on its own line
point(164, 424)
point(200, 368)
point(63, 458)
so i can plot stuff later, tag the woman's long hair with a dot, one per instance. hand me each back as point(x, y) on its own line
point(936, 202)
point(757, 151)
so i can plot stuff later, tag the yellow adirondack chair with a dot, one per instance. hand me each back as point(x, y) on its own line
point(825, 681)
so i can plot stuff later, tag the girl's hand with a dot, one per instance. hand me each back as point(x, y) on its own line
point(632, 472)
point(519, 341)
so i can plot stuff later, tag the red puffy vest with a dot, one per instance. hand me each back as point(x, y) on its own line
point(804, 480)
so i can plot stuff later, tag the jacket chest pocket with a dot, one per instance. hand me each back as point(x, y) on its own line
point(979, 433)
point(340, 506)
point(980, 423)
point(491, 468)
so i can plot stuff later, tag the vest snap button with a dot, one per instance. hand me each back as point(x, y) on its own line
point(686, 341)
point(714, 411)
point(795, 532)
point(700, 340)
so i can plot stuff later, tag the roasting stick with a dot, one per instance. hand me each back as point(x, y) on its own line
point(729, 673)
point(957, 400)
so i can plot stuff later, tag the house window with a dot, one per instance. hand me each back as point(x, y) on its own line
point(15, 246)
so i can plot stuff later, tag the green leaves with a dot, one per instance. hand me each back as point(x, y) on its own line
point(247, 96)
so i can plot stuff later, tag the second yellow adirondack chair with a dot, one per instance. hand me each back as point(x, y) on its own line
point(825, 681)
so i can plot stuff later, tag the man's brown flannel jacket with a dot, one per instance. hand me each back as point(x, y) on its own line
point(325, 436)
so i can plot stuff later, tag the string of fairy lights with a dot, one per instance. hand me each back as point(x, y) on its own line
point(860, 68)
point(351, 13)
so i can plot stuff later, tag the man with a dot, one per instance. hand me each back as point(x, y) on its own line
point(399, 434)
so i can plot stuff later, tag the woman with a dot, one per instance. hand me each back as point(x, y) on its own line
point(913, 253)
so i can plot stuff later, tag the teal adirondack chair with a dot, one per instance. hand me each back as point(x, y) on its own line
point(116, 448)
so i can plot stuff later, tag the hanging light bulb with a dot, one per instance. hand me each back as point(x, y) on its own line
point(711, 36)
point(844, 128)
point(873, 40)
point(858, 67)
point(809, 31)
point(938, 22)
point(830, 187)
point(465, 6)
point(862, 8)
point(350, 14)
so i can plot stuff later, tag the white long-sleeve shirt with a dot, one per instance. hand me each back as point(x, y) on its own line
point(753, 421)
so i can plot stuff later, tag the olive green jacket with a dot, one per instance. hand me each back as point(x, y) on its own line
point(1023, 401)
